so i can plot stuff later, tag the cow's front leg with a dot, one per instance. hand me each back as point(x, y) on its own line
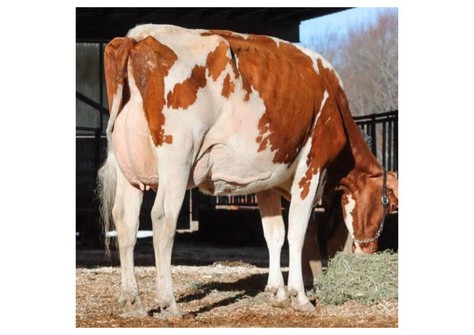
point(126, 212)
point(298, 221)
point(303, 194)
point(269, 203)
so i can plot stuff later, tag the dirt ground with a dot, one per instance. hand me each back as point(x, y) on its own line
point(214, 287)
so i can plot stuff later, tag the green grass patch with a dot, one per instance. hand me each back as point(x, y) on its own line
point(364, 278)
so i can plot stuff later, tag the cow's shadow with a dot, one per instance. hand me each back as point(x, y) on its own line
point(248, 287)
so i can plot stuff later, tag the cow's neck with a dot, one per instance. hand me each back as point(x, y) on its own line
point(364, 160)
point(355, 159)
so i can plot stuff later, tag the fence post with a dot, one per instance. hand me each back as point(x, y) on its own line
point(385, 143)
point(395, 143)
point(101, 84)
point(373, 130)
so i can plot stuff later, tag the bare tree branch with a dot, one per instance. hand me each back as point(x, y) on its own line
point(367, 61)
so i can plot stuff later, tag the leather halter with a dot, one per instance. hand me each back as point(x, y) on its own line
point(385, 204)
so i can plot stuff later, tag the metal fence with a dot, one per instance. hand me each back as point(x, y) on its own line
point(383, 131)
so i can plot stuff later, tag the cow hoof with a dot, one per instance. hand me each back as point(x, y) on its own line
point(306, 307)
point(170, 312)
point(132, 307)
point(173, 311)
point(279, 297)
point(280, 303)
point(133, 311)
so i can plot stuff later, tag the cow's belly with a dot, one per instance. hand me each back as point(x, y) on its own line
point(230, 169)
point(133, 147)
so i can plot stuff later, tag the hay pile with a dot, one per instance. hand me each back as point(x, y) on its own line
point(364, 278)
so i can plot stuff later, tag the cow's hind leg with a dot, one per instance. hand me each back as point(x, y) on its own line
point(168, 202)
point(269, 203)
point(126, 212)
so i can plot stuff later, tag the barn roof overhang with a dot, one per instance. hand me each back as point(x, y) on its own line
point(107, 23)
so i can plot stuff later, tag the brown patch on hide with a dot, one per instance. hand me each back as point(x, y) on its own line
point(217, 60)
point(185, 94)
point(151, 61)
point(228, 86)
point(115, 67)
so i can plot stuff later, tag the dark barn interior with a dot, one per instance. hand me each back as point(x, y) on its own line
point(94, 24)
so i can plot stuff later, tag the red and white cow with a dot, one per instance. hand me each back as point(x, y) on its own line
point(230, 114)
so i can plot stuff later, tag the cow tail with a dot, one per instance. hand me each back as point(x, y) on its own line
point(106, 189)
point(115, 66)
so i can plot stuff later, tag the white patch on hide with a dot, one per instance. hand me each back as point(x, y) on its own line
point(349, 220)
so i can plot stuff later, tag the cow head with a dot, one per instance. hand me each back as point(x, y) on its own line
point(366, 200)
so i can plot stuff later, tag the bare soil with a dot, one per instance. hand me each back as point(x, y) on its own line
point(214, 287)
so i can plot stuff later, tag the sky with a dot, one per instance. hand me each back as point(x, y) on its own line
point(339, 22)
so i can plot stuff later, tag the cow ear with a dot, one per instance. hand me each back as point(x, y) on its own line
point(392, 190)
point(115, 66)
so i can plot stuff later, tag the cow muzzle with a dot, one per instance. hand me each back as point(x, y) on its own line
point(365, 248)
